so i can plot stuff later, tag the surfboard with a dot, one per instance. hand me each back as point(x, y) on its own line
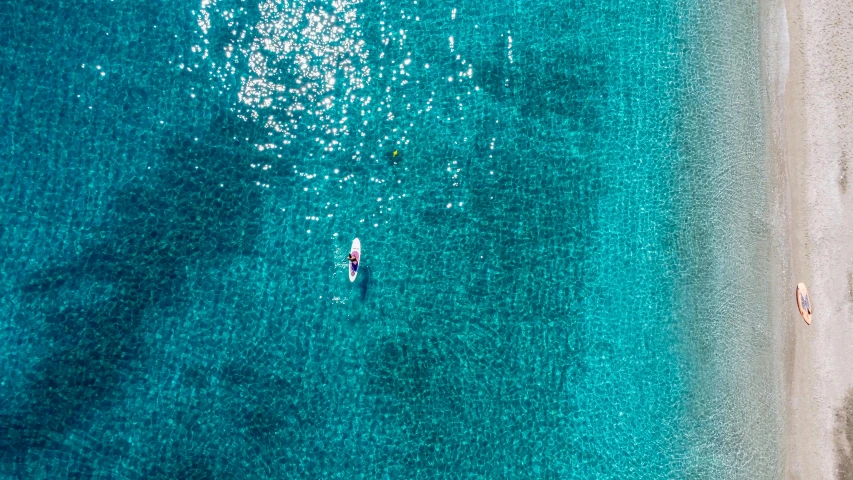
point(355, 250)
point(804, 303)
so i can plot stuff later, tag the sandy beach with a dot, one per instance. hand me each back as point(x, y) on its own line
point(813, 136)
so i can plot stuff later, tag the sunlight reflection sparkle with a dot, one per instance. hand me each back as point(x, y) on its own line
point(296, 62)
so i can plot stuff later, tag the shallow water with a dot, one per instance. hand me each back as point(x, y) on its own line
point(185, 179)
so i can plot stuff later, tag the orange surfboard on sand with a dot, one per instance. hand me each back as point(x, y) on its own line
point(804, 303)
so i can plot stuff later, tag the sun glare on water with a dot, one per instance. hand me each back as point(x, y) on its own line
point(297, 64)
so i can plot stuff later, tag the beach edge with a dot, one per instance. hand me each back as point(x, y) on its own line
point(809, 76)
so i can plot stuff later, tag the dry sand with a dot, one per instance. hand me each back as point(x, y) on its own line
point(813, 106)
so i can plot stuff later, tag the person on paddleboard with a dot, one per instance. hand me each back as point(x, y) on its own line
point(353, 260)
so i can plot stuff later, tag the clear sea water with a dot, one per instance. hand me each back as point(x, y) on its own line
point(555, 200)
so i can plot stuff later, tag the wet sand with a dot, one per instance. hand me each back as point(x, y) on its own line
point(811, 99)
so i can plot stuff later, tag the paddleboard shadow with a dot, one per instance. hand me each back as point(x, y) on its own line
point(367, 274)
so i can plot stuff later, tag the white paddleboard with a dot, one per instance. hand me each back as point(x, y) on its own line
point(355, 250)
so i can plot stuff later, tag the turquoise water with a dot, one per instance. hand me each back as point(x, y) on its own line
point(532, 186)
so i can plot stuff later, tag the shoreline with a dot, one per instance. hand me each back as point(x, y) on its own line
point(810, 74)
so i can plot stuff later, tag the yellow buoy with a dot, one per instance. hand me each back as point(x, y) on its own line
point(395, 153)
